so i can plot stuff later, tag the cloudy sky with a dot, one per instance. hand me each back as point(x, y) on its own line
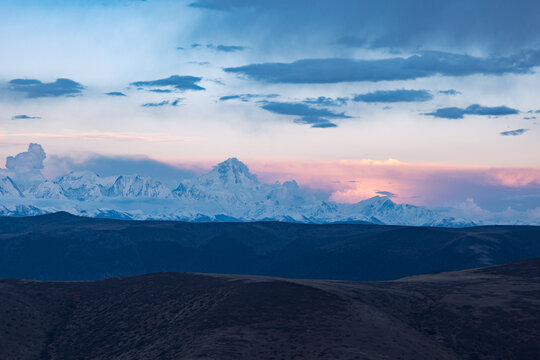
point(430, 102)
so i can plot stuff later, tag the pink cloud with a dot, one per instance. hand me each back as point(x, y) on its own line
point(516, 177)
point(97, 135)
point(350, 181)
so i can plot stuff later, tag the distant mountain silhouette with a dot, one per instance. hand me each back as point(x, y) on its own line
point(485, 314)
point(65, 247)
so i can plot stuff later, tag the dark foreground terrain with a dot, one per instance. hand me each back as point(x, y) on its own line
point(489, 313)
point(65, 247)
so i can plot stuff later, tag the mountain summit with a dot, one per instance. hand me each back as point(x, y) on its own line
point(231, 172)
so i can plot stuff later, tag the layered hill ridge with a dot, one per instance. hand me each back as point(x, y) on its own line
point(228, 192)
point(483, 314)
point(65, 247)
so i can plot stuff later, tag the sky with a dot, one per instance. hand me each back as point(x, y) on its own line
point(429, 102)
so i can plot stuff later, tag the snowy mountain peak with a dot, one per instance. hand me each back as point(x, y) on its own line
point(8, 188)
point(134, 186)
point(77, 176)
point(46, 190)
point(378, 202)
point(230, 172)
point(83, 185)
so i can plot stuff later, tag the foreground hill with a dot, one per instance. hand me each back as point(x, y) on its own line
point(491, 313)
point(65, 247)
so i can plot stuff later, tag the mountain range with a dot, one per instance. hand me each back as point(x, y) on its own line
point(229, 192)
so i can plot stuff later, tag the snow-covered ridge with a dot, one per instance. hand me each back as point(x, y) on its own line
point(228, 192)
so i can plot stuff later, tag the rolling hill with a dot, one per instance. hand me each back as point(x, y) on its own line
point(483, 314)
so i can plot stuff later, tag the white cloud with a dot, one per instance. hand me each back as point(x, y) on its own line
point(25, 168)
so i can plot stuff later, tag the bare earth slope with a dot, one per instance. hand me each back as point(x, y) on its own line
point(490, 313)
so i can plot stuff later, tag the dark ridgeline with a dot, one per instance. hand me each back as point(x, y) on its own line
point(65, 247)
point(485, 314)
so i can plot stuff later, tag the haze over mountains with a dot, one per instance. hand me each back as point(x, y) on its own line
point(229, 192)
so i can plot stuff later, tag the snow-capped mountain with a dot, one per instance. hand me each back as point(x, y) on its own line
point(133, 186)
point(8, 188)
point(383, 209)
point(229, 181)
point(231, 189)
point(83, 185)
point(228, 192)
point(46, 190)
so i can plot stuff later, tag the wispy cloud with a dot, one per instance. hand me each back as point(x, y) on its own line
point(386, 193)
point(316, 117)
point(475, 109)
point(163, 103)
point(449, 92)
point(247, 97)
point(514, 132)
point(175, 81)
point(97, 135)
point(115, 93)
point(226, 48)
point(161, 91)
point(425, 64)
point(390, 96)
point(24, 117)
point(33, 88)
point(326, 101)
